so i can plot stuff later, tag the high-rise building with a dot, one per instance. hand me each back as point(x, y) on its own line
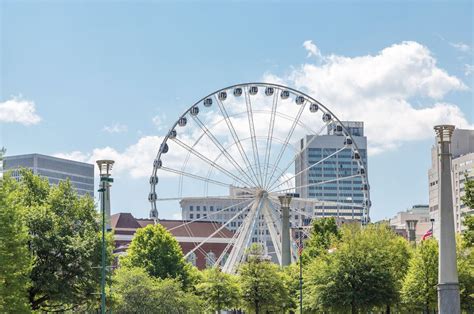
point(342, 164)
point(462, 150)
point(54, 169)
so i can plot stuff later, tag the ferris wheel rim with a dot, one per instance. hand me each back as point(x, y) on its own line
point(266, 84)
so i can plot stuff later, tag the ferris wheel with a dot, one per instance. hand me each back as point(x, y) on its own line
point(257, 158)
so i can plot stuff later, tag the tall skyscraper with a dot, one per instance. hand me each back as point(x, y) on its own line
point(342, 164)
point(462, 150)
point(54, 169)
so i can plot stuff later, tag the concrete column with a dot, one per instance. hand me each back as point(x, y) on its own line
point(285, 230)
point(448, 284)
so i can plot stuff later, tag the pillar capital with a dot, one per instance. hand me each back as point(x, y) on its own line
point(444, 132)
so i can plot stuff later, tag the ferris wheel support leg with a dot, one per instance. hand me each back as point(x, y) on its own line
point(285, 230)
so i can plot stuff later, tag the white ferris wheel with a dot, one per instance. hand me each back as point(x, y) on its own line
point(247, 151)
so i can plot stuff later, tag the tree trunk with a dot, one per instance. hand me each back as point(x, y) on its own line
point(353, 308)
point(387, 310)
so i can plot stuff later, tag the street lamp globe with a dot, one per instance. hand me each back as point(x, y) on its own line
point(105, 167)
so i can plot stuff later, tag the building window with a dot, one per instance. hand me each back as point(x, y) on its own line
point(198, 208)
point(191, 216)
point(191, 208)
point(198, 215)
point(211, 208)
point(210, 259)
point(204, 208)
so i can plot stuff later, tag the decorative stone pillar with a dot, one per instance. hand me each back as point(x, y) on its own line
point(285, 230)
point(448, 283)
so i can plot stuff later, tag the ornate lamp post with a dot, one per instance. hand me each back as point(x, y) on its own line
point(411, 224)
point(448, 283)
point(105, 169)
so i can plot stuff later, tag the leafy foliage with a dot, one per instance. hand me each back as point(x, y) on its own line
point(468, 200)
point(324, 231)
point(419, 287)
point(465, 264)
point(64, 240)
point(154, 249)
point(264, 285)
point(135, 291)
point(359, 274)
point(15, 260)
point(218, 290)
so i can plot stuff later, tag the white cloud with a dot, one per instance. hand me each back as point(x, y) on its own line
point(159, 121)
point(115, 128)
point(18, 110)
point(462, 47)
point(468, 69)
point(312, 49)
point(379, 90)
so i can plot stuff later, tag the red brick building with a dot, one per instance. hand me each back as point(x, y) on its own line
point(188, 236)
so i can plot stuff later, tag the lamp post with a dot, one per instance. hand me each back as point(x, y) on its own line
point(300, 252)
point(105, 169)
point(448, 282)
point(285, 201)
point(432, 226)
point(411, 224)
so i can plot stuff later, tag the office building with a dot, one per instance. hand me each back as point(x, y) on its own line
point(80, 174)
point(462, 150)
point(420, 213)
point(342, 164)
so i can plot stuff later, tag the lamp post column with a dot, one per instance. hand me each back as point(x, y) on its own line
point(448, 284)
point(285, 230)
point(105, 168)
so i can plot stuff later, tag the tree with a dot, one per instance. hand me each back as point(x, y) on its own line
point(324, 231)
point(263, 285)
point(218, 290)
point(359, 274)
point(15, 259)
point(154, 249)
point(419, 286)
point(468, 200)
point(135, 291)
point(64, 239)
point(465, 265)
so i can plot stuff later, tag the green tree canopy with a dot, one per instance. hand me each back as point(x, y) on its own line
point(154, 249)
point(15, 259)
point(468, 200)
point(64, 240)
point(263, 284)
point(359, 274)
point(135, 291)
point(419, 286)
point(324, 231)
point(218, 290)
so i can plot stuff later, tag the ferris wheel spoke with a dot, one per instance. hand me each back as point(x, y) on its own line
point(271, 127)
point(213, 213)
point(213, 234)
point(319, 183)
point(195, 176)
point(222, 150)
point(234, 134)
point(282, 173)
point(308, 168)
point(211, 163)
point(256, 156)
point(285, 145)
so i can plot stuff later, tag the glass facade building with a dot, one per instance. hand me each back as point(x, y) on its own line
point(337, 175)
point(54, 169)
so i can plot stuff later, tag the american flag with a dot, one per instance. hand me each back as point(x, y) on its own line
point(428, 234)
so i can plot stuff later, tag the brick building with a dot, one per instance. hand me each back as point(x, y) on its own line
point(188, 236)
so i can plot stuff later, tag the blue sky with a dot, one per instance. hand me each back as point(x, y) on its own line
point(82, 78)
